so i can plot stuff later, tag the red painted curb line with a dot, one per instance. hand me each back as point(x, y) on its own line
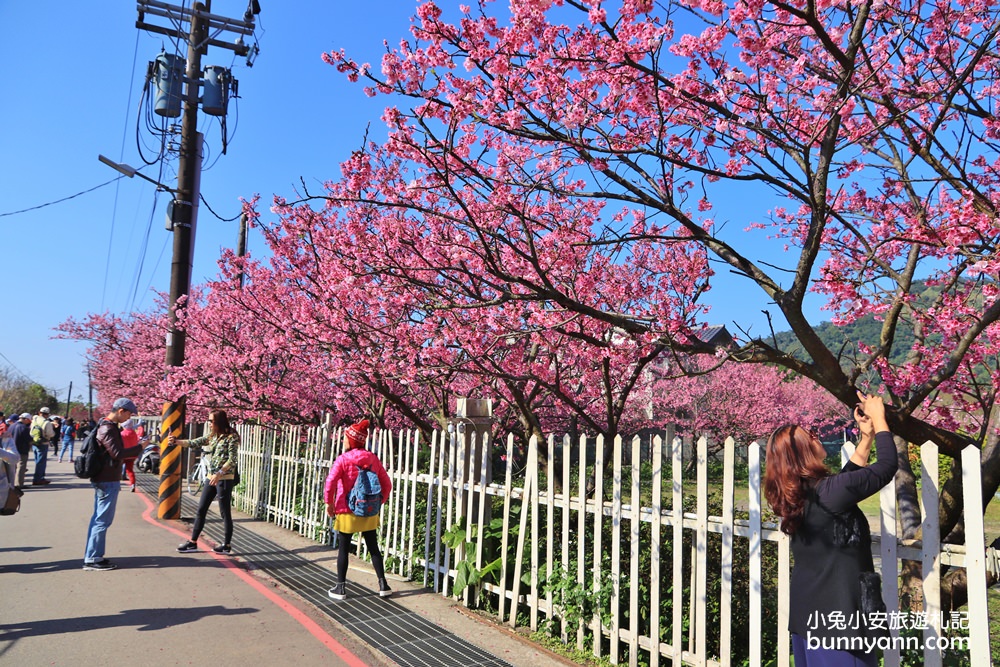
point(303, 620)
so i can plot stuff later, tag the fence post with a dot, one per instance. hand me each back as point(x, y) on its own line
point(889, 566)
point(616, 548)
point(566, 522)
point(506, 530)
point(431, 483)
point(975, 557)
point(635, 520)
point(930, 551)
point(529, 502)
point(443, 450)
point(755, 576)
point(581, 530)
point(701, 541)
point(550, 474)
point(725, 605)
point(677, 548)
point(414, 473)
point(598, 626)
point(654, 556)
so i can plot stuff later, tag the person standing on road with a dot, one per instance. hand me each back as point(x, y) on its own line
point(5, 439)
point(222, 444)
point(8, 462)
point(20, 435)
point(339, 483)
point(68, 438)
point(833, 574)
point(107, 483)
point(131, 439)
point(42, 436)
point(57, 424)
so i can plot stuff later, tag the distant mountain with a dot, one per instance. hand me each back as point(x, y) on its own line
point(844, 340)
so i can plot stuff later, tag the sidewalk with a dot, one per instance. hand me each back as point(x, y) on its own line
point(165, 608)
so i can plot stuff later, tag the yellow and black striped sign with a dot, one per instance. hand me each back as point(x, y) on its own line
point(170, 460)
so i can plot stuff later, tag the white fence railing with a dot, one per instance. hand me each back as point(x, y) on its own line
point(604, 546)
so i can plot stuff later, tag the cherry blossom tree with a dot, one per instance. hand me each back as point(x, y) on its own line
point(861, 137)
point(125, 357)
point(745, 401)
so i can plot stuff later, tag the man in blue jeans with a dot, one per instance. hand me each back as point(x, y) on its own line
point(108, 482)
point(42, 435)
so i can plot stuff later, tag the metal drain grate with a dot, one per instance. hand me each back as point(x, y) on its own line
point(403, 636)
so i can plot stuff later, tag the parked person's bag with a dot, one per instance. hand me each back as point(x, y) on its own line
point(13, 503)
point(365, 498)
point(92, 458)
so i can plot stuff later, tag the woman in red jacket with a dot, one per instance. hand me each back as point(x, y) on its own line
point(339, 483)
point(130, 438)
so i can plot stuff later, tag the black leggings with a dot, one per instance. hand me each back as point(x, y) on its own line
point(224, 489)
point(371, 541)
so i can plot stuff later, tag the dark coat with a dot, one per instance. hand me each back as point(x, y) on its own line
point(110, 437)
point(834, 589)
point(20, 433)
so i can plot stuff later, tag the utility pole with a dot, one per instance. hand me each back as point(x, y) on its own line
point(204, 28)
point(241, 246)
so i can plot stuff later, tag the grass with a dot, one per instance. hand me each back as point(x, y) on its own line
point(991, 520)
point(993, 602)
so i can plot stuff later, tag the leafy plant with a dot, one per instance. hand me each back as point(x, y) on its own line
point(576, 602)
point(458, 539)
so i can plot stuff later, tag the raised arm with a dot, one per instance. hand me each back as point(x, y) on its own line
point(839, 492)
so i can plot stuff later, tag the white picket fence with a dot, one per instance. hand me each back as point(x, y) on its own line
point(436, 485)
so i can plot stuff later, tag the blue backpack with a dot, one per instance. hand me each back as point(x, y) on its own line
point(365, 498)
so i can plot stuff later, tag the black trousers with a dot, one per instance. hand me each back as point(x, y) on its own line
point(224, 490)
point(371, 541)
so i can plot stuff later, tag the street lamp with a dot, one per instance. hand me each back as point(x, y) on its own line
point(130, 171)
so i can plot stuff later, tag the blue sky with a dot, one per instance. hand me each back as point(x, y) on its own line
point(72, 76)
point(72, 79)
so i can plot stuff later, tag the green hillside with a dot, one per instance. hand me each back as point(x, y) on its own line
point(844, 340)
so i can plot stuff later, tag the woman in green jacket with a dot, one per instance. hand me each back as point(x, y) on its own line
point(222, 444)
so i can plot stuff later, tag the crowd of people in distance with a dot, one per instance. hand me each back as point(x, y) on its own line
point(121, 437)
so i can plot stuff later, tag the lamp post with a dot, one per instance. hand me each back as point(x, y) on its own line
point(127, 170)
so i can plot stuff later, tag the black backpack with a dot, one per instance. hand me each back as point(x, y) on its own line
point(92, 457)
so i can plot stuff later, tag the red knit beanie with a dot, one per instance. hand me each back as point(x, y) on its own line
point(357, 434)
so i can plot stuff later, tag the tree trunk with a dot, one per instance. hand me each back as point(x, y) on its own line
point(954, 583)
point(911, 593)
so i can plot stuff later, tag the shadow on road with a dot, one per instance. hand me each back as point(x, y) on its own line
point(143, 620)
point(129, 563)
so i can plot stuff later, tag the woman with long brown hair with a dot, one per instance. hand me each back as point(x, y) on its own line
point(836, 615)
point(221, 443)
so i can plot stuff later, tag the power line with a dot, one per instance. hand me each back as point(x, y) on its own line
point(142, 253)
point(58, 201)
point(205, 202)
point(121, 153)
point(19, 371)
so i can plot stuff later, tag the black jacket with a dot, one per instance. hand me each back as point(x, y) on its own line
point(109, 436)
point(833, 567)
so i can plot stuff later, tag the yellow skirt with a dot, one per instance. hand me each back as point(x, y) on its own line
point(350, 523)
